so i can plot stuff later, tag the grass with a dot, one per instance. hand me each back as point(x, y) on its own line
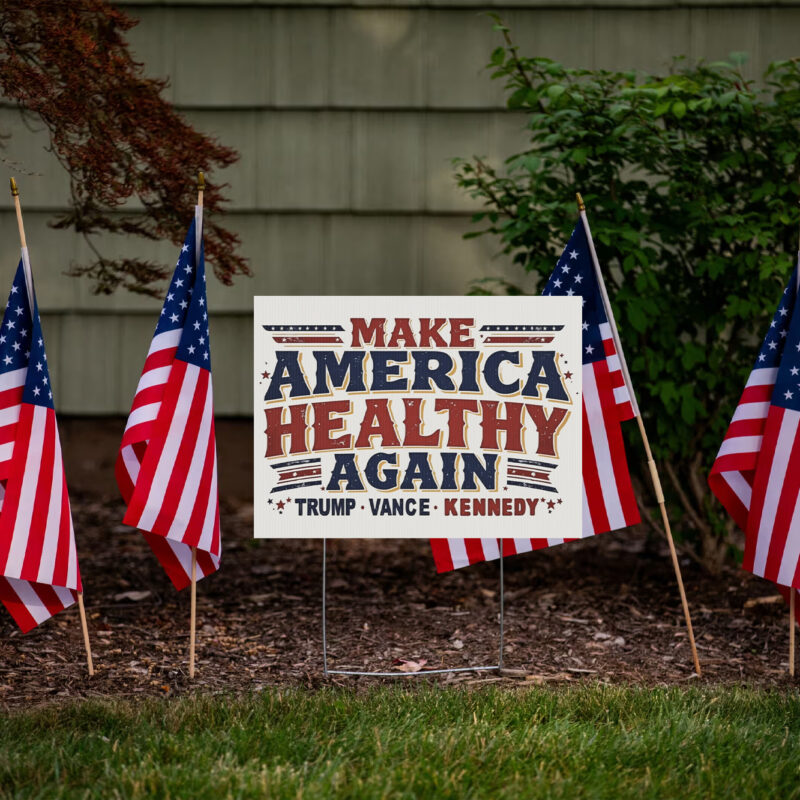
point(428, 742)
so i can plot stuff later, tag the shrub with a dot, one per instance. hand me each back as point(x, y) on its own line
point(691, 183)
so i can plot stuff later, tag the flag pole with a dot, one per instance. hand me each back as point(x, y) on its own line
point(201, 185)
point(792, 595)
point(650, 461)
point(26, 268)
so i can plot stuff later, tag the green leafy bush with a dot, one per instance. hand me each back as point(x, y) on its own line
point(691, 183)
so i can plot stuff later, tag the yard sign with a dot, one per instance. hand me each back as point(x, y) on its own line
point(384, 417)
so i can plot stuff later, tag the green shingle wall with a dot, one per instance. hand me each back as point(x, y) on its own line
point(346, 116)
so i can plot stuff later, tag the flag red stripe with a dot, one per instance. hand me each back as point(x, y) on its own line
point(41, 506)
point(183, 458)
point(147, 470)
point(766, 458)
point(14, 485)
point(194, 529)
point(789, 492)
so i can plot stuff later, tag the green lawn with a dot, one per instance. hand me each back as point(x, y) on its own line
point(424, 742)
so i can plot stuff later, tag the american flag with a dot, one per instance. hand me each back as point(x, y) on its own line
point(167, 463)
point(608, 499)
point(39, 575)
point(756, 475)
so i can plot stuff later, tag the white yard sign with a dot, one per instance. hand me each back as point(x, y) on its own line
point(417, 417)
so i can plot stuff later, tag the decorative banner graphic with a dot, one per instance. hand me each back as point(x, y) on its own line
point(387, 417)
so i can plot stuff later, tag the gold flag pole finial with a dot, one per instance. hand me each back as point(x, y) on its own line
point(201, 182)
point(14, 189)
point(581, 204)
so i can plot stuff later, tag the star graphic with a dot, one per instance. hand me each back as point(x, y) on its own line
point(568, 375)
point(265, 374)
point(573, 255)
point(550, 505)
point(281, 505)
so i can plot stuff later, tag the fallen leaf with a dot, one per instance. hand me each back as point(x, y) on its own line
point(133, 596)
point(762, 601)
point(406, 665)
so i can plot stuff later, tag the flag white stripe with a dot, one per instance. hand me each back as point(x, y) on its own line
point(791, 550)
point(458, 553)
point(588, 527)
point(165, 340)
point(72, 561)
point(777, 475)
point(751, 411)
point(153, 377)
point(621, 395)
point(131, 462)
point(762, 377)
point(189, 492)
point(740, 444)
point(6, 451)
point(53, 524)
point(739, 486)
point(172, 445)
point(30, 480)
point(64, 595)
point(143, 414)
point(13, 379)
point(490, 548)
point(10, 415)
point(523, 545)
point(613, 363)
point(30, 599)
point(210, 520)
point(602, 451)
point(184, 555)
point(605, 331)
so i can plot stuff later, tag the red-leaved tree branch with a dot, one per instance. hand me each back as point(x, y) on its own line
point(69, 65)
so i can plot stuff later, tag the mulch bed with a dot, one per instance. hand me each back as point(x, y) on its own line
point(604, 609)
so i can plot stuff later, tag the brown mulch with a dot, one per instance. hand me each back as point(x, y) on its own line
point(603, 609)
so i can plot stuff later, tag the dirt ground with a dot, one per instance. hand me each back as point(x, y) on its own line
point(604, 609)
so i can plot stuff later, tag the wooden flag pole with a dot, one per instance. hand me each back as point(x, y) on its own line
point(650, 461)
point(792, 595)
point(193, 622)
point(29, 285)
point(201, 185)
